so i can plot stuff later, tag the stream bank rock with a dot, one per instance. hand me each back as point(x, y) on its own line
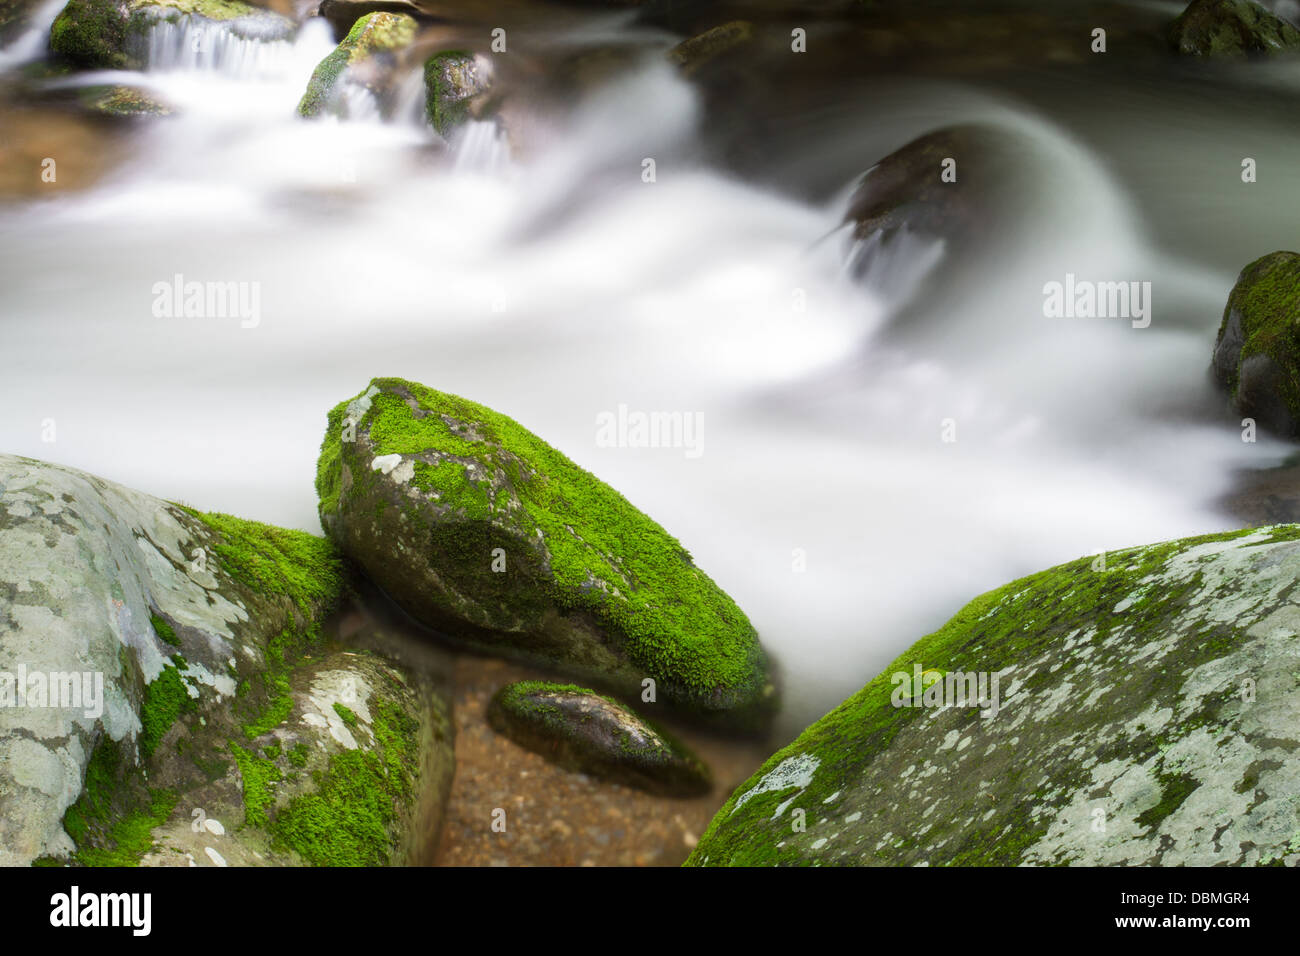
point(1148, 714)
point(1231, 28)
point(365, 62)
point(195, 642)
point(583, 731)
point(479, 529)
point(1257, 352)
point(113, 34)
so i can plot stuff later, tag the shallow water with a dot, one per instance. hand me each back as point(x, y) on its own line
point(557, 286)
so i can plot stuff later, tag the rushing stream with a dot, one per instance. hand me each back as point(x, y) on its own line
point(559, 285)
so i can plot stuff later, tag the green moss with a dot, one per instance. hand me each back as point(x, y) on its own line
point(164, 701)
point(674, 621)
point(112, 821)
point(297, 755)
point(259, 777)
point(1175, 788)
point(164, 630)
point(272, 560)
point(347, 716)
point(91, 33)
point(348, 820)
point(1019, 621)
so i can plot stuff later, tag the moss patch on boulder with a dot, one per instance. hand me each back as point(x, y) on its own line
point(1140, 691)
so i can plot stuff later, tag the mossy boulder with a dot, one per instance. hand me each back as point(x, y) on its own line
point(453, 79)
point(367, 57)
point(1148, 713)
point(207, 634)
point(481, 530)
point(589, 733)
point(1257, 352)
point(1231, 28)
point(113, 34)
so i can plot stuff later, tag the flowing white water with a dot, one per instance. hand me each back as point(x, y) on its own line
point(563, 286)
point(29, 44)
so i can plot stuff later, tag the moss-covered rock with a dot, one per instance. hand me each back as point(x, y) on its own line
point(113, 33)
point(1148, 713)
point(206, 633)
point(125, 101)
point(478, 528)
point(1257, 352)
point(586, 732)
point(452, 80)
point(1231, 28)
point(367, 56)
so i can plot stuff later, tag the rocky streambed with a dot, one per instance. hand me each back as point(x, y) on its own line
point(493, 656)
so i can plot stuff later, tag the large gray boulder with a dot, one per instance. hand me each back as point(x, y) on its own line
point(195, 643)
point(1147, 714)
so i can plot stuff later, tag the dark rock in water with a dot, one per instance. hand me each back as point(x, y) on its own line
point(1257, 352)
point(112, 33)
point(913, 188)
point(453, 80)
point(1231, 28)
point(691, 54)
point(586, 732)
point(1155, 695)
point(478, 528)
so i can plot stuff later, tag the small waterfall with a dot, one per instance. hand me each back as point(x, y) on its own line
point(893, 266)
point(480, 145)
point(241, 49)
point(29, 45)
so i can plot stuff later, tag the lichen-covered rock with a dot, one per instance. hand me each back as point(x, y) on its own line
point(113, 33)
point(694, 53)
point(195, 643)
point(452, 80)
point(1257, 352)
point(1231, 28)
point(584, 731)
point(1147, 713)
point(480, 529)
point(367, 57)
point(357, 773)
